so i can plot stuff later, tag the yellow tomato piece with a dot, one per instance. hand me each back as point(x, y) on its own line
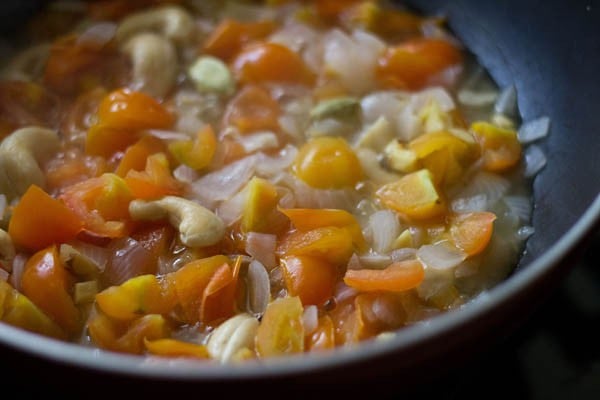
point(261, 202)
point(17, 310)
point(198, 153)
point(323, 338)
point(149, 327)
point(136, 297)
point(281, 331)
point(328, 163)
point(415, 196)
point(446, 154)
point(306, 219)
point(330, 244)
point(175, 348)
point(500, 147)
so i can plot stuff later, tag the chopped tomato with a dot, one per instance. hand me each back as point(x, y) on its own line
point(413, 63)
point(198, 153)
point(39, 220)
point(155, 181)
point(271, 62)
point(175, 348)
point(328, 163)
point(397, 277)
point(48, 284)
point(281, 331)
point(330, 243)
point(311, 279)
point(501, 149)
point(136, 156)
point(102, 203)
point(253, 109)
point(471, 232)
point(228, 38)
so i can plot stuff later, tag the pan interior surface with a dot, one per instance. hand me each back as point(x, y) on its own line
point(554, 71)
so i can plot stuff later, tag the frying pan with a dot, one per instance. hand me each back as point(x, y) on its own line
point(550, 51)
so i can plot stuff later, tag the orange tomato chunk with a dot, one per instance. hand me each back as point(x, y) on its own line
point(471, 232)
point(397, 277)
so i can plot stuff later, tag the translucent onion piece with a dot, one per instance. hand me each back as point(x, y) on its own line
point(230, 210)
point(129, 259)
point(534, 130)
point(506, 104)
point(185, 174)
point(310, 319)
point(491, 185)
point(403, 254)
point(224, 183)
point(375, 261)
point(520, 206)
point(259, 288)
point(343, 293)
point(441, 255)
point(384, 228)
point(535, 160)
point(268, 166)
point(261, 246)
point(4, 275)
point(98, 34)
point(525, 232)
point(476, 98)
point(18, 267)
point(167, 135)
point(435, 280)
point(3, 204)
point(470, 204)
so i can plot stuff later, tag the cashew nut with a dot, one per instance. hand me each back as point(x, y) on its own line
point(154, 60)
point(7, 248)
point(20, 156)
point(172, 22)
point(198, 226)
point(231, 336)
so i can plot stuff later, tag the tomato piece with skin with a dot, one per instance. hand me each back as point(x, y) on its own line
point(411, 64)
point(281, 331)
point(331, 244)
point(271, 63)
point(311, 279)
point(328, 163)
point(397, 277)
point(252, 109)
point(472, 232)
point(228, 38)
point(155, 181)
point(48, 284)
point(38, 209)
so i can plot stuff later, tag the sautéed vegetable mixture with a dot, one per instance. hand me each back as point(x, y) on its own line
point(233, 181)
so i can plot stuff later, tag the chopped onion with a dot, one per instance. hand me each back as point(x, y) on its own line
point(18, 267)
point(98, 255)
point(535, 160)
point(261, 246)
point(259, 288)
point(534, 130)
point(344, 292)
point(185, 174)
point(489, 184)
point(167, 135)
point(310, 319)
point(268, 166)
point(4, 275)
point(474, 98)
point(506, 104)
point(384, 228)
point(128, 260)
point(3, 204)
point(470, 204)
point(222, 184)
point(375, 261)
point(524, 232)
point(230, 210)
point(403, 254)
point(98, 34)
point(520, 206)
point(441, 255)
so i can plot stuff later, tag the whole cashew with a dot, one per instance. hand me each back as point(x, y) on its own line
point(236, 333)
point(198, 226)
point(20, 155)
point(172, 22)
point(155, 64)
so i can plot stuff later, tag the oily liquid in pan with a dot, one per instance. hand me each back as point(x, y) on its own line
point(233, 181)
